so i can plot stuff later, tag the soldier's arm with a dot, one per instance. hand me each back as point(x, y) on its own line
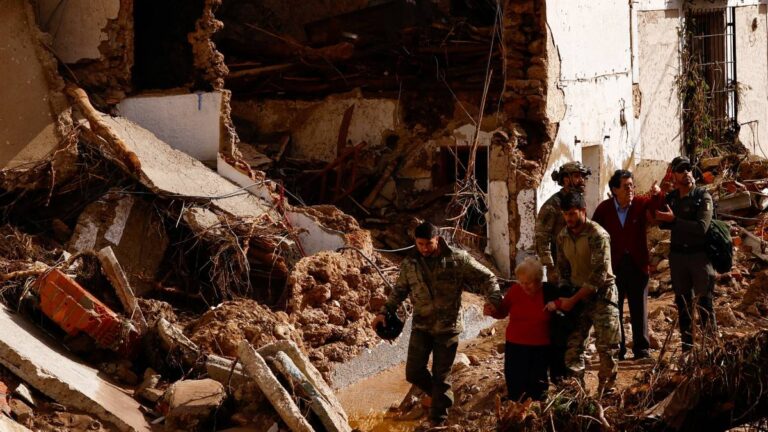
point(545, 223)
point(401, 289)
point(477, 275)
point(600, 261)
point(700, 225)
point(563, 266)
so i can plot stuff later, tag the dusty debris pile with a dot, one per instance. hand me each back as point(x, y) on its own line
point(210, 302)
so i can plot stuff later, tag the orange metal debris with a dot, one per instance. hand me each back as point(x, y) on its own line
point(74, 309)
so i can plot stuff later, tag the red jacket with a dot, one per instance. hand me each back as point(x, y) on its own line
point(528, 321)
point(632, 236)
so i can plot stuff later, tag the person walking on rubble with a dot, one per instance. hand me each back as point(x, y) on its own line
point(688, 215)
point(626, 217)
point(584, 262)
point(434, 276)
point(571, 176)
point(527, 347)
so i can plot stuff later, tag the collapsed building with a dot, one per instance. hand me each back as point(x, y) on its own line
point(250, 163)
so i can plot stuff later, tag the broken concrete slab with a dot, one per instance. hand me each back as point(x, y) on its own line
point(114, 272)
point(164, 170)
point(134, 230)
point(221, 369)
point(257, 368)
point(35, 116)
point(301, 361)
point(191, 123)
point(42, 363)
point(191, 403)
point(738, 201)
point(318, 403)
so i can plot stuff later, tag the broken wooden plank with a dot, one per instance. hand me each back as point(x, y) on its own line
point(258, 369)
point(119, 281)
point(43, 364)
point(318, 403)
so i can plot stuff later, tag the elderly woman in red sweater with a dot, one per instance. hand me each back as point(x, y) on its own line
point(527, 350)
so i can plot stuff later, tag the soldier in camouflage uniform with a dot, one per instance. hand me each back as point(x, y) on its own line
point(549, 221)
point(584, 261)
point(434, 277)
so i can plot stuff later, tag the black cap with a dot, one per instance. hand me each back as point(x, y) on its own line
point(679, 162)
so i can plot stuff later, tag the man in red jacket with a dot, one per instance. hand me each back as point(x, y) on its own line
point(626, 217)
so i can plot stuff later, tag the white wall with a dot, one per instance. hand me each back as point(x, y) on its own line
point(593, 40)
point(751, 73)
point(659, 64)
point(76, 26)
point(189, 122)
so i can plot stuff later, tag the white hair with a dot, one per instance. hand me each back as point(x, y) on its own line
point(531, 267)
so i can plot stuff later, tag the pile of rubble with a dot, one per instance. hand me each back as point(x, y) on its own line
point(211, 304)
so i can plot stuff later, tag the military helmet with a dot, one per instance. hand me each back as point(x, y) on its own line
point(391, 328)
point(569, 168)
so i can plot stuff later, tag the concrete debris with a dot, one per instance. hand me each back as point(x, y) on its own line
point(319, 405)
point(258, 369)
point(114, 272)
point(134, 231)
point(25, 394)
point(191, 403)
point(174, 340)
point(8, 425)
point(33, 357)
point(148, 388)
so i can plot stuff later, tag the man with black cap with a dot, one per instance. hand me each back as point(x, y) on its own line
point(434, 276)
point(688, 216)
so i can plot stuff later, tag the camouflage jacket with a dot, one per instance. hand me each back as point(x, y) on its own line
point(436, 294)
point(584, 260)
point(549, 222)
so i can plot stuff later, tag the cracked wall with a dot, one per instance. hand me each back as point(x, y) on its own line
point(35, 116)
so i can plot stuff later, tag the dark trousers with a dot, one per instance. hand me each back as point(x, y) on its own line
point(525, 370)
point(443, 349)
point(632, 283)
point(557, 368)
point(693, 275)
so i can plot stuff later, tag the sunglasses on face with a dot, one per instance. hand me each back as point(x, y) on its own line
point(683, 169)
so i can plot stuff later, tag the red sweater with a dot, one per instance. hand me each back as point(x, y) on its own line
point(632, 236)
point(528, 322)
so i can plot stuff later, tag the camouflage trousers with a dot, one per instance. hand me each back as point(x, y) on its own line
point(443, 349)
point(603, 315)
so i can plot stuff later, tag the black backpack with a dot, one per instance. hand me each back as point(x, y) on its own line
point(719, 241)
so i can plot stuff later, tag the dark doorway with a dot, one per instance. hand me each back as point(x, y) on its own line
point(162, 54)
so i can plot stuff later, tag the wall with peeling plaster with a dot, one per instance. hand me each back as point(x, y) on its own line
point(595, 78)
point(314, 126)
point(76, 26)
point(659, 65)
point(33, 115)
point(752, 75)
